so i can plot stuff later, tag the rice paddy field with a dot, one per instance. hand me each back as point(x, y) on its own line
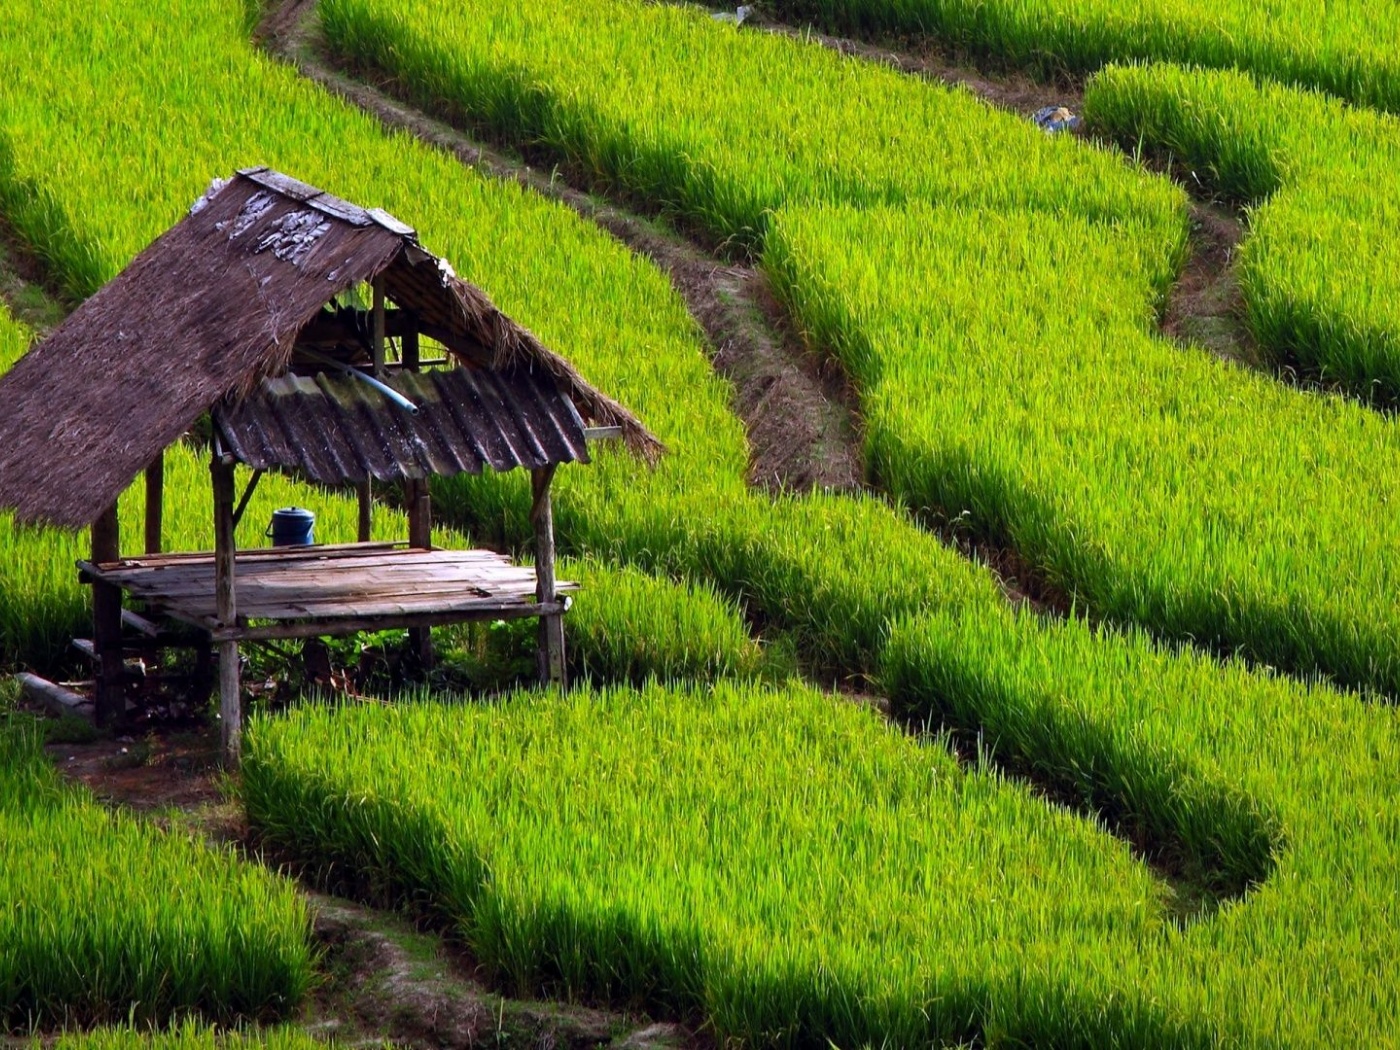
point(1153, 806)
point(1347, 49)
point(104, 918)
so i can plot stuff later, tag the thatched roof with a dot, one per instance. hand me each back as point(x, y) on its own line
point(211, 309)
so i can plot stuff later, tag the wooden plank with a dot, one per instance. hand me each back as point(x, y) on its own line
point(243, 500)
point(374, 604)
point(256, 559)
point(230, 704)
point(349, 625)
point(312, 587)
point(364, 495)
point(407, 562)
point(140, 624)
point(158, 583)
point(171, 558)
point(420, 532)
point(327, 582)
point(155, 502)
point(252, 596)
point(420, 514)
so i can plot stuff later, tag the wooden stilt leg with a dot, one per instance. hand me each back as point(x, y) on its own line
point(364, 492)
point(109, 707)
point(551, 644)
point(230, 704)
point(418, 496)
point(155, 500)
point(226, 612)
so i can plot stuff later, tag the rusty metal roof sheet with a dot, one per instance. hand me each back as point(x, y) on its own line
point(336, 429)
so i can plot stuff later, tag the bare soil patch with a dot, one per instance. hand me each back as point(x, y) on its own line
point(146, 774)
point(389, 981)
point(1206, 305)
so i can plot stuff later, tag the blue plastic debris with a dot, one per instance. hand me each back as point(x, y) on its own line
point(1051, 119)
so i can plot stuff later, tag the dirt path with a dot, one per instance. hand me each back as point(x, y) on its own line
point(1206, 305)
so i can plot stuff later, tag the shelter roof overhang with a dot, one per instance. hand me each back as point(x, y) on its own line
point(214, 308)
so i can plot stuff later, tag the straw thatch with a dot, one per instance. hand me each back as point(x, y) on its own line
point(206, 312)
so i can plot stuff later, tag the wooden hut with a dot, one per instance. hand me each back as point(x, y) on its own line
point(240, 311)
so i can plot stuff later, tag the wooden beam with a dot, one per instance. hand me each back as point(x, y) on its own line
point(54, 698)
point(110, 707)
point(377, 346)
point(140, 624)
point(247, 495)
point(155, 502)
point(106, 537)
point(364, 492)
point(486, 610)
point(551, 645)
point(409, 358)
point(226, 612)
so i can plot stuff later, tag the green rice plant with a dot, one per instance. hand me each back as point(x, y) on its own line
point(1152, 483)
point(106, 918)
point(186, 1036)
point(786, 867)
point(719, 128)
point(830, 571)
point(1319, 267)
point(627, 625)
point(1350, 48)
point(833, 571)
point(783, 864)
point(1307, 958)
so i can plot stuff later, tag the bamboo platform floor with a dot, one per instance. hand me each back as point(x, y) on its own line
point(305, 591)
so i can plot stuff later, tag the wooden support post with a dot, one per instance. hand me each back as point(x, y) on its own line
point(411, 359)
point(418, 496)
point(110, 706)
point(551, 652)
point(377, 285)
point(155, 503)
point(226, 611)
point(364, 491)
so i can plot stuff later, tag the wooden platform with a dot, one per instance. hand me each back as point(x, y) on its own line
point(297, 592)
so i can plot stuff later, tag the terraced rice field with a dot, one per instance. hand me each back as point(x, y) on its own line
point(103, 918)
point(1157, 809)
point(1350, 49)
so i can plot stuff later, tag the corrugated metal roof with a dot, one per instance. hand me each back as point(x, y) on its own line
point(336, 429)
